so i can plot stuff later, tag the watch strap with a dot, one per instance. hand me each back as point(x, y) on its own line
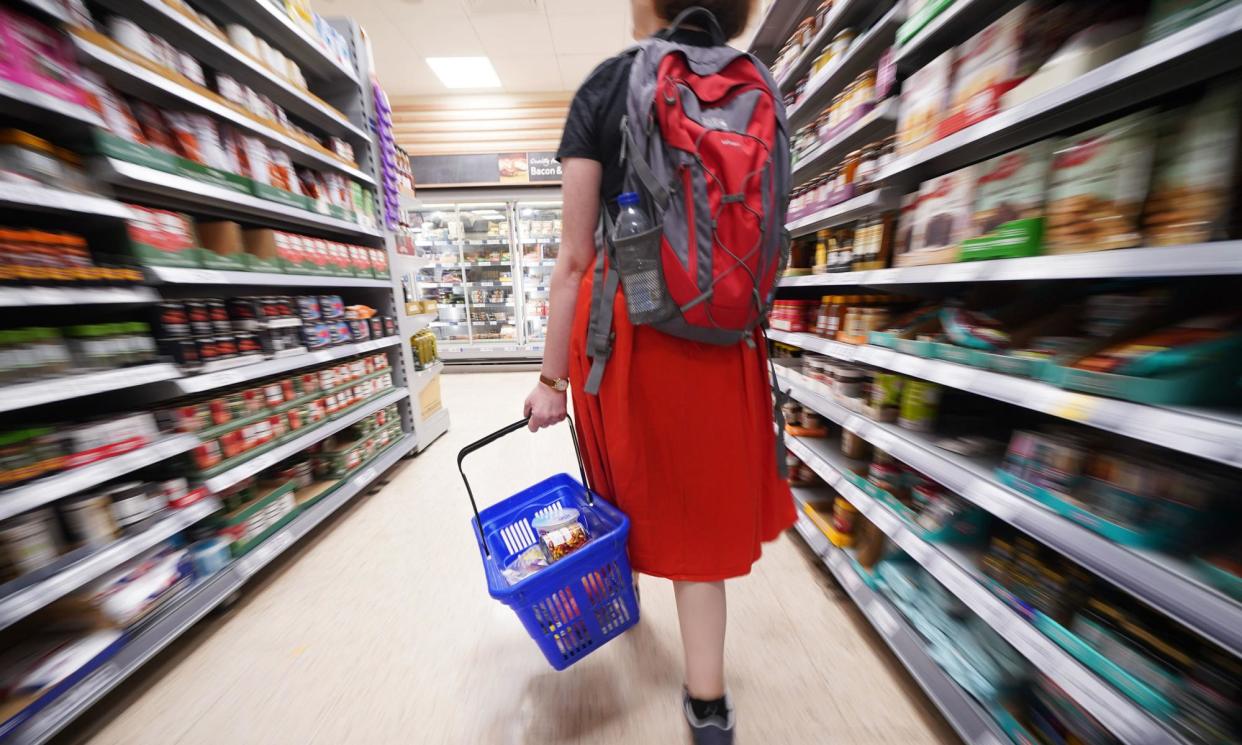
point(559, 385)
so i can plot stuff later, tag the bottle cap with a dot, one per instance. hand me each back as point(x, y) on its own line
point(628, 199)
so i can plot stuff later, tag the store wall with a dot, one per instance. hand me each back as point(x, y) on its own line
point(449, 125)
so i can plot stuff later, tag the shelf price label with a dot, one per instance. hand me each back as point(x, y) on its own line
point(365, 477)
point(263, 554)
point(1076, 407)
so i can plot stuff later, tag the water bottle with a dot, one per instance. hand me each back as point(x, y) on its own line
point(630, 220)
point(639, 261)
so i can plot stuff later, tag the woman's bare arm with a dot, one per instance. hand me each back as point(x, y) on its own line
point(580, 214)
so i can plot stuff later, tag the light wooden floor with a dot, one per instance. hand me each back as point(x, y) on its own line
point(381, 631)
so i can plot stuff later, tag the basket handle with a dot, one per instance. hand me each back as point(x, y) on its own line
point(489, 439)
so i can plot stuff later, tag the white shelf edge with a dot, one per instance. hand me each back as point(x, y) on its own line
point(69, 295)
point(27, 96)
point(39, 392)
point(31, 598)
point(1202, 433)
point(192, 191)
point(50, 199)
point(1190, 260)
point(254, 465)
point(48, 489)
point(303, 153)
point(254, 371)
point(871, 203)
point(970, 720)
point(188, 276)
point(188, 608)
point(1112, 709)
point(1150, 577)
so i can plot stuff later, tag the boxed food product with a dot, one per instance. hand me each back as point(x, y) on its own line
point(1194, 195)
point(37, 56)
point(1098, 183)
point(1002, 56)
point(161, 238)
point(222, 240)
point(1008, 215)
point(379, 263)
point(924, 102)
point(942, 219)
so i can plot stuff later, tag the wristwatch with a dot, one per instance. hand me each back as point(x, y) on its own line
point(560, 385)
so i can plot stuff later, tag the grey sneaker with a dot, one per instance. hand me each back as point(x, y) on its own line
point(716, 729)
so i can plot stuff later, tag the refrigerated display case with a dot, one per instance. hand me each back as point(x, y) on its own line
point(472, 270)
point(539, 235)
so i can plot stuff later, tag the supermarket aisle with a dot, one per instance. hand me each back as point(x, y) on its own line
point(382, 632)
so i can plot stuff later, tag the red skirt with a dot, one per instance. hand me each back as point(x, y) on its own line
point(680, 438)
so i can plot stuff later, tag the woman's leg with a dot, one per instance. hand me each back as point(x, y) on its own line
point(701, 614)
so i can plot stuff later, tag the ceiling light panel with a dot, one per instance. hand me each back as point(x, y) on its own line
point(464, 72)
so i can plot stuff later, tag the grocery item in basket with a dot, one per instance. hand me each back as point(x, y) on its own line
point(525, 564)
point(1098, 184)
point(561, 532)
point(1008, 210)
point(1194, 194)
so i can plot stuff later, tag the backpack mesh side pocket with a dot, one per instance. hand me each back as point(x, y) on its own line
point(637, 260)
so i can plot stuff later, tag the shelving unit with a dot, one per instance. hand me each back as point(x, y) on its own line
point(842, 15)
point(1119, 714)
point(1161, 581)
point(337, 102)
point(187, 609)
point(962, 712)
point(1166, 585)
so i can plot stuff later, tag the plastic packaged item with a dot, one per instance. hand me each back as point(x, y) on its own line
point(561, 532)
point(924, 103)
point(27, 543)
point(1098, 184)
point(209, 556)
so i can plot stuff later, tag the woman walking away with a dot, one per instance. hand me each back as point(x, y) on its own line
point(679, 153)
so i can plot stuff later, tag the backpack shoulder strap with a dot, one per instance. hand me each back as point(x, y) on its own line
point(603, 299)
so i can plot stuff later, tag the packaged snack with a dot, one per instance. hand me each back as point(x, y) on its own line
point(924, 102)
point(1008, 215)
point(281, 169)
point(37, 56)
point(257, 160)
point(1193, 193)
point(942, 218)
point(1002, 56)
point(1097, 186)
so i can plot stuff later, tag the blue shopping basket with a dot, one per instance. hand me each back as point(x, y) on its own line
point(573, 606)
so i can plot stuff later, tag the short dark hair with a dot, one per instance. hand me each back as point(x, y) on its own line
point(731, 14)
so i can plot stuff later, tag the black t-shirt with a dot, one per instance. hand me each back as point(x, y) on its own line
point(593, 125)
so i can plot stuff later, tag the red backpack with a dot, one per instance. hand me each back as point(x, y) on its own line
point(705, 145)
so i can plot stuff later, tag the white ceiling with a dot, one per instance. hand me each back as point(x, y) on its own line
point(535, 45)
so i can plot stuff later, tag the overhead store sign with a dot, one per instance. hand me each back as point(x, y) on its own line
point(491, 169)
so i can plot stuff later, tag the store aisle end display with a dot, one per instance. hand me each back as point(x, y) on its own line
point(201, 352)
point(1010, 334)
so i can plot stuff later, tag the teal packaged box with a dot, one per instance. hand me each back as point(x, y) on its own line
point(960, 355)
point(1211, 384)
point(886, 339)
point(916, 347)
point(1124, 535)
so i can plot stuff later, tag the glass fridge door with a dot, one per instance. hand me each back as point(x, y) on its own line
point(487, 261)
point(539, 236)
point(437, 235)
